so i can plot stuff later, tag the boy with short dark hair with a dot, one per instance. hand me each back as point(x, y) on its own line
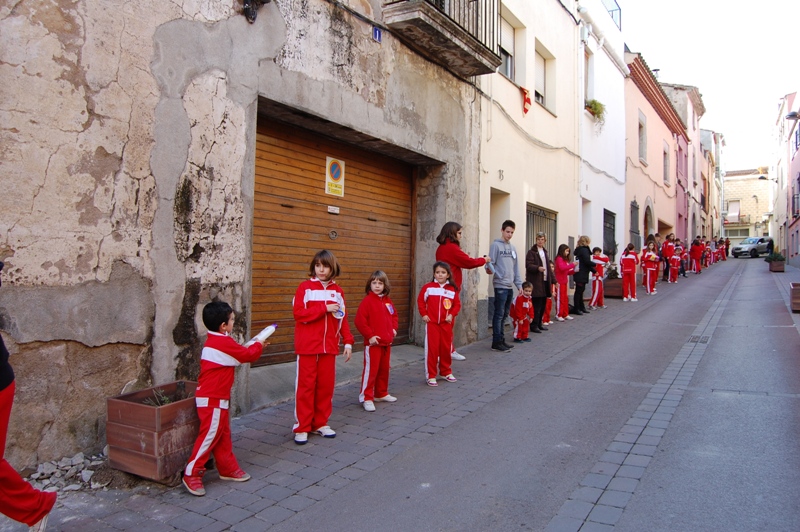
point(221, 354)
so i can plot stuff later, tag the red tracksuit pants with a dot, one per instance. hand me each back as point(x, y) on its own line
point(214, 438)
point(375, 377)
point(548, 310)
point(697, 265)
point(562, 301)
point(18, 499)
point(649, 278)
point(521, 329)
point(629, 284)
point(597, 293)
point(313, 395)
point(673, 273)
point(438, 338)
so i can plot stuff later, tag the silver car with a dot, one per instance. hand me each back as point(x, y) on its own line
point(753, 246)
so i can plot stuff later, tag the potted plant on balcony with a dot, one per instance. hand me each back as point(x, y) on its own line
point(151, 432)
point(777, 262)
point(597, 110)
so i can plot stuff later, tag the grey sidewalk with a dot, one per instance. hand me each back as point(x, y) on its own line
point(288, 479)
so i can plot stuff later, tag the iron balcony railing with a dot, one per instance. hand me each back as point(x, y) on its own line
point(479, 18)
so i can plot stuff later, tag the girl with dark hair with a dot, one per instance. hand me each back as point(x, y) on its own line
point(438, 304)
point(450, 251)
point(564, 268)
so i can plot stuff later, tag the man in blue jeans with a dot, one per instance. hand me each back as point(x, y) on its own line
point(503, 256)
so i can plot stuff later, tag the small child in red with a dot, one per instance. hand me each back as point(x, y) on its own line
point(600, 260)
point(221, 354)
point(522, 313)
point(376, 320)
point(674, 268)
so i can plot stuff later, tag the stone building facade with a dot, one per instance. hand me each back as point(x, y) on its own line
point(130, 145)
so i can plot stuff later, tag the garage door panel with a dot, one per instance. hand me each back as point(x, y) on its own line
point(291, 222)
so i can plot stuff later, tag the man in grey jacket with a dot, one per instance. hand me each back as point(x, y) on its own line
point(503, 257)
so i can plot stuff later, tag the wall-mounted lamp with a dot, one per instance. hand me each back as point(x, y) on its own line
point(793, 116)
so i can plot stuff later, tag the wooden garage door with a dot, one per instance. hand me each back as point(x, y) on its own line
point(292, 221)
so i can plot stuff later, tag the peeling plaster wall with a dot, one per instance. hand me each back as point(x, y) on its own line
point(128, 130)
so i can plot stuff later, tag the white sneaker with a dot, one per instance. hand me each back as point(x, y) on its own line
point(326, 431)
point(386, 399)
point(626, 299)
point(455, 355)
point(369, 406)
point(634, 299)
point(570, 318)
point(605, 306)
point(559, 318)
point(301, 438)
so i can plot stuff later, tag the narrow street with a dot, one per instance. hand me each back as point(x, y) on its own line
point(677, 412)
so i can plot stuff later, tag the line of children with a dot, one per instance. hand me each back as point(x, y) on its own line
point(438, 304)
point(600, 261)
point(522, 313)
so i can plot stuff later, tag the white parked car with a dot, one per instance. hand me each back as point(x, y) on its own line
point(753, 246)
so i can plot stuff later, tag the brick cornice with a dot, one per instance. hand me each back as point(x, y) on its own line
point(652, 91)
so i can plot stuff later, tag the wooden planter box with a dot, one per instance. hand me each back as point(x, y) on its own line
point(612, 288)
point(794, 294)
point(777, 266)
point(152, 441)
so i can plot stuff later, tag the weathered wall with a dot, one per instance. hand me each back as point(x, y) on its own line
point(129, 136)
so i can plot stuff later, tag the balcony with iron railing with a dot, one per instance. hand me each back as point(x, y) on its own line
point(736, 219)
point(460, 35)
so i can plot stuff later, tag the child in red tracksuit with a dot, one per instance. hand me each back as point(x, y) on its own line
point(627, 265)
point(438, 304)
point(522, 313)
point(547, 319)
point(376, 320)
point(674, 267)
point(221, 354)
point(320, 318)
point(650, 264)
point(564, 268)
point(600, 260)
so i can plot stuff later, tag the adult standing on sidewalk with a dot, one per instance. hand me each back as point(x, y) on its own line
point(537, 272)
point(583, 257)
point(503, 256)
point(450, 251)
point(18, 499)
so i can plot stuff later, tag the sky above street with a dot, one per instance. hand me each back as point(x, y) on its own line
point(742, 56)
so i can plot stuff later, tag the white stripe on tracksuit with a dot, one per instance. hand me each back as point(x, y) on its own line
point(365, 377)
point(210, 435)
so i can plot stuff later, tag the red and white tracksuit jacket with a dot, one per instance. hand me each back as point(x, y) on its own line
point(627, 266)
point(650, 263)
point(437, 302)
point(376, 316)
point(674, 268)
point(522, 315)
point(317, 335)
point(220, 356)
point(563, 270)
point(600, 262)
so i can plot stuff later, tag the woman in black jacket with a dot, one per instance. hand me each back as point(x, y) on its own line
point(583, 256)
